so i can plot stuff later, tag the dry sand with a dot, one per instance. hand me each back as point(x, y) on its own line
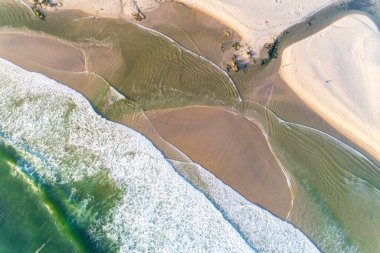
point(336, 73)
point(230, 147)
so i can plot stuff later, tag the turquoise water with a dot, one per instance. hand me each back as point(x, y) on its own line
point(29, 221)
point(36, 214)
point(338, 198)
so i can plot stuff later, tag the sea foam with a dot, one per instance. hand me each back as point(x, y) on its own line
point(56, 129)
point(267, 232)
point(58, 132)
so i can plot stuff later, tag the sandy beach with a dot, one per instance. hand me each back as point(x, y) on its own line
point(298, 136)
point(341, 83)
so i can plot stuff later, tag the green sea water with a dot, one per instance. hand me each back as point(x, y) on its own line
point(35, 215)
point(23, 204)
point(338, 195)
point(336, 189)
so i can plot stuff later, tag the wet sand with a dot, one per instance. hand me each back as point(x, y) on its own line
point(256, 21)
point(42, 51)
point(232, 148)
point(52, 57)
point(228, 145)
point(194, 30)
point(259, 22)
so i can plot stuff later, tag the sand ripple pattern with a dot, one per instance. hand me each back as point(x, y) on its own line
point(146, 67)
point(156, 71)
point(339, 187)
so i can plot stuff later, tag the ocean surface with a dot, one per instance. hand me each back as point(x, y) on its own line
point(73, 181)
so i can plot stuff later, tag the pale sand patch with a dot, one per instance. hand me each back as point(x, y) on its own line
point(230, 147)
point(336, 73)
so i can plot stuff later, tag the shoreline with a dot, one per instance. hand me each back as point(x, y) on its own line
point(280, 210)
point(231, 207)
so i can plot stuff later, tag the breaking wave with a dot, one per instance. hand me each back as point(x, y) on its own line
point(64, 141)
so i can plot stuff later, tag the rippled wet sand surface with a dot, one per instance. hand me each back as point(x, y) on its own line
point(194, 30)
point(154, 69)
point(229, 146)
point(335, 188)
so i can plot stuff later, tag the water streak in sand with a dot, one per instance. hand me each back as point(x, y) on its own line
point(337, 190)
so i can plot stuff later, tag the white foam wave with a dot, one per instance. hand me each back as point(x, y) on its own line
point(62, 136)
point(56, 129)
point(267, 232)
